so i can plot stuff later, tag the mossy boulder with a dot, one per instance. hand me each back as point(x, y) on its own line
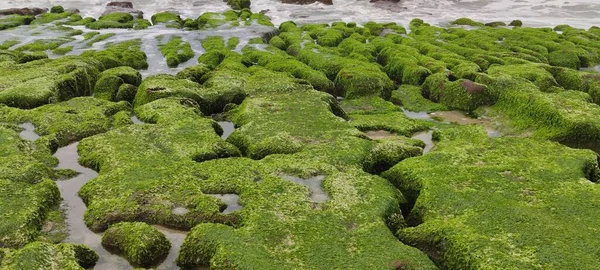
point(170, 19)
point(57, 9)
point(466, 21)
point(461, 94)
point(178, 138)
point(460, 201)
point(239, 4)
point(36, 83)
point(40, 255)
point(176, 51)
point(140, 243)
point(110, 81)
point(564, 58)
point(11, 21)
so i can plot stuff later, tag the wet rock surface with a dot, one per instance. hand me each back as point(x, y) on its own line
point(23, 11)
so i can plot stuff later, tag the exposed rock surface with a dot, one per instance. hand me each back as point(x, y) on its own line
point(23, 11)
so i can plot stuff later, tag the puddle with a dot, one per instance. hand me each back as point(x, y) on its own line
point(180, 211)
point(232, 201)
point(379, 134)
point(455, 117)
point(28, 132)
point(176, 238)
point(136, 120)
point(460, 118)
point(594, 69)
point(228, 128)
point(75, 208)
point(315, 184)
point(425, 137)
point(417, 115)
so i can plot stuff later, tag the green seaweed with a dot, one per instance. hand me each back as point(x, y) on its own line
point(139, 242)
point(481, 202)
point(176, 51)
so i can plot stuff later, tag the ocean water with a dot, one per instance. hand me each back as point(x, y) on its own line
point(577, 13)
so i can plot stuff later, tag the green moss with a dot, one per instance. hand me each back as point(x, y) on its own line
point(39, 82)
point(536, 74)
point(98, 38)
point(39, 255)
point(565, 116)
point(65, 122)
point(389, 152)
point(9, 43)
point(564, 58)
point(166, 180)
point(126, 53)
point(239, 4)
point(283, 63)
point(232, 43)
point(411, 99)
point(27, 194)
point(110, 81)
point(495, 24)
point(44, 44)
point(24, 207)
point(139, 242)
point(475, 192)
point(50, 17)
point(162, 86)
point(118, 20)
point(176, 51)
point(466, 21)
point(190, 24)
point(11, 21)
point(518, 23)
point(261, 19)
point(62, 50)
point(360, 81)
point(194, 73)
point(461, 94)
point(57, 9)
point(170, 19)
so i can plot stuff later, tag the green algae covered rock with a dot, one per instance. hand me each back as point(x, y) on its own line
point(179, 138)
point(69, 121)
point(466, 21)
point(40, 82)
point(110, 81)
point(118, 20)
point(139, 242)
point(410, 98)
point(57, 9)
point(162, 86)
point(40, 255)
point(320, 240)
point(194, 73)
point(474, 195)
point(564, 58)
point(572, 122)
point(24, 207)
point(461, 94)
point(176, 51)
point(389, 151)
point(126, 53)
point(11, 21)
point(516, 23)
point(170, 19)
point(239, 4)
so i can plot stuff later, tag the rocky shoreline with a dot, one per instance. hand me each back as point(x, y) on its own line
point(295, 146)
